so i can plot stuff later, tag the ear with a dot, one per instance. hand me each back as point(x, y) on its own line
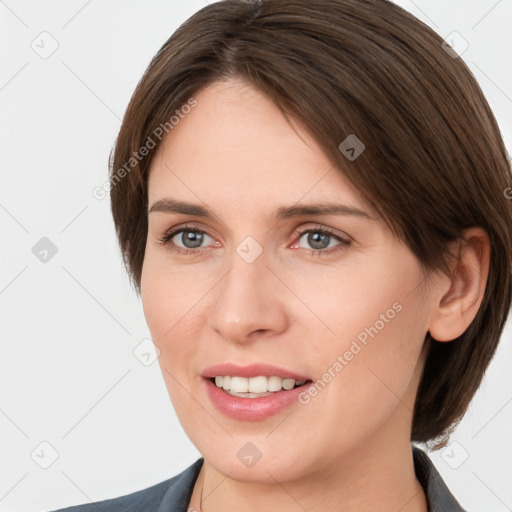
point(461, 294)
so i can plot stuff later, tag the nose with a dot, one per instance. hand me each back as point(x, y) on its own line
point(250, 302)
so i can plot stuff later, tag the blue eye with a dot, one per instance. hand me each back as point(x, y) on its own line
point(191, 239)
point(321, 240)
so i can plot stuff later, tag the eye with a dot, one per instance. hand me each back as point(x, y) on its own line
point(185, 240)
point(321, 240)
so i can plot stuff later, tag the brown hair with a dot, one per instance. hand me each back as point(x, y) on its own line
point(434, 161)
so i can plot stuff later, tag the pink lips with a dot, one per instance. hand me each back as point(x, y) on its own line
point(251, 409)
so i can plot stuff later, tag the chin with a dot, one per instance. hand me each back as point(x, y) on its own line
point(244, 462)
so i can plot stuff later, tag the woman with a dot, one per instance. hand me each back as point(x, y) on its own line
point(310, 198)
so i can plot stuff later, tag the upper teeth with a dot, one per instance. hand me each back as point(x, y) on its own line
point(259, 384)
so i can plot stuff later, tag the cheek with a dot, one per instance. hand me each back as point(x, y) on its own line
point(163, 310)
point(352, 302)
point(172, 307)
point(165, 296)
point(366, 327)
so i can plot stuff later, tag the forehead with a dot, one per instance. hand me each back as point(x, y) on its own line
point(235, 144)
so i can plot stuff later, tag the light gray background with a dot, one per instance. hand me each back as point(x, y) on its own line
point(68, 374)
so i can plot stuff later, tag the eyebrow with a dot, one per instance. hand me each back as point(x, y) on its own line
point(168, 205)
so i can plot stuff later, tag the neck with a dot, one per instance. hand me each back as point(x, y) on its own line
point(365, 479)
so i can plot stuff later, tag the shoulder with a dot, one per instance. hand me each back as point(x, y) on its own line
point(439, 497)
point(172, 494)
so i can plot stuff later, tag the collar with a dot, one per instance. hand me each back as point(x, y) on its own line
point(439, 497)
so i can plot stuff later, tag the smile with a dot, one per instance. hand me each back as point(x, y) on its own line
point(254, 387)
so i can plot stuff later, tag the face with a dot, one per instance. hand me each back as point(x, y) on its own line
point(330, 298)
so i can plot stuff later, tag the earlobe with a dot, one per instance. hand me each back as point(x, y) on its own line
point(456, 307)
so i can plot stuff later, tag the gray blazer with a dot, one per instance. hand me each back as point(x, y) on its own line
point(173, 495)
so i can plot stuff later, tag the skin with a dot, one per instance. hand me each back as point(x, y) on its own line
point(349, 447)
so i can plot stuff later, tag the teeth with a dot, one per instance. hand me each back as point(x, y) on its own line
point(239, 384)
point(288, 383)
point(226, 382)
point(260, 384)
point(274, 383)
point(256, 384)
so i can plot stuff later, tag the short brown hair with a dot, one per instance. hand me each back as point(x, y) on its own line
point(434, 161)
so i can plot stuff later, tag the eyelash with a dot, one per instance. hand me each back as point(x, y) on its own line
point(168, 235)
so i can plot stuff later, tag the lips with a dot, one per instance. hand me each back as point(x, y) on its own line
point(251, 408)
